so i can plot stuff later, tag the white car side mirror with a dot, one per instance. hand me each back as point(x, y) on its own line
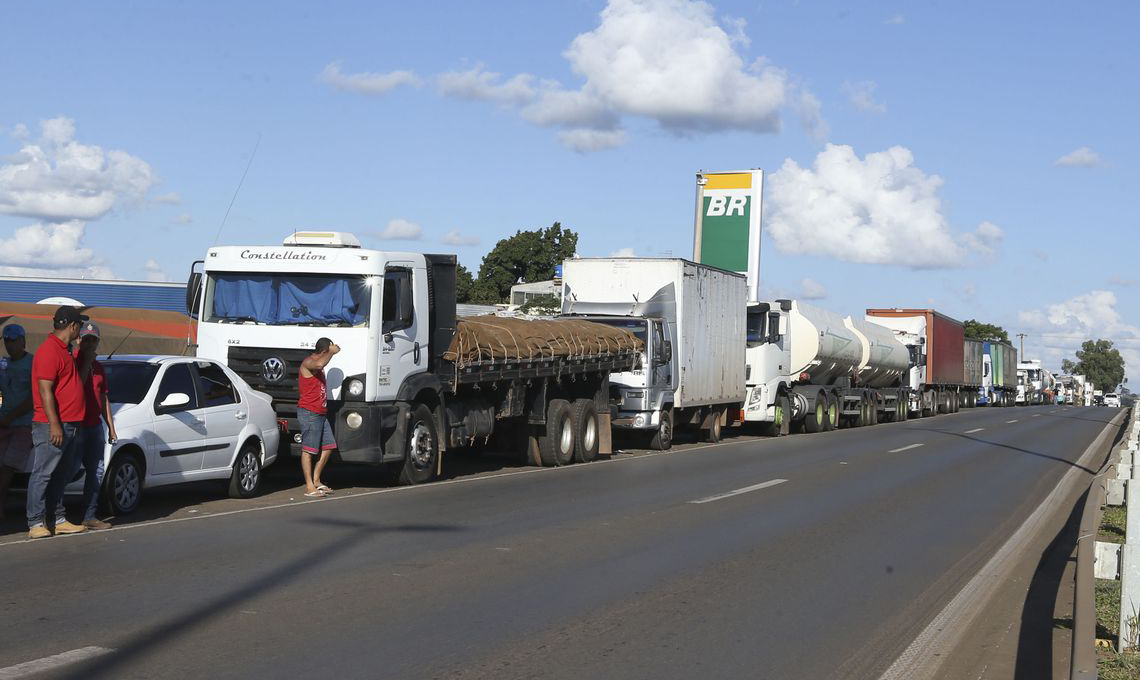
point(175, 400)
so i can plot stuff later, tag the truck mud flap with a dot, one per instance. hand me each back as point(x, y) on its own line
point(605, 434)
point(395, 447)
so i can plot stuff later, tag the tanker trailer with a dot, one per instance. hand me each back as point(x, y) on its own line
point(937, 346)
point(879, 381)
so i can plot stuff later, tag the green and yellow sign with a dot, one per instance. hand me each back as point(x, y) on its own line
point(727, 233)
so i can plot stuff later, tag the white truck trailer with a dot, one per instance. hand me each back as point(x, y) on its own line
point(691, 318)
point(411, 380)
point(813, 368)
point(1030, 383)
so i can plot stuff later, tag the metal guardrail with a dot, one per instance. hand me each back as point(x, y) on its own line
point(1097, 559)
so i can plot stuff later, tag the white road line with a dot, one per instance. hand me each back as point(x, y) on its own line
point(976, 429)
point(52, 662)
point(1036, 415)
point(905, 448)
point(730, 494)
point(1011, 421)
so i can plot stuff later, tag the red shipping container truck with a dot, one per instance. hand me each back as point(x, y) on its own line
point(943, 386)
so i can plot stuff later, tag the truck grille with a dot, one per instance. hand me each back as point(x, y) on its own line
point(255, 366)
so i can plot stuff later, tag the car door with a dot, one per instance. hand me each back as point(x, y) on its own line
point(224, 413)
point(177, 437)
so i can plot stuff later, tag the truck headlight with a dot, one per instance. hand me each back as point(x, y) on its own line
point(639, 420)
point(353, 420)
point(755, 396)
point(354, 387)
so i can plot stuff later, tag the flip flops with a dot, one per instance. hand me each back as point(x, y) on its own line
point(325, 490)
point(315, 494)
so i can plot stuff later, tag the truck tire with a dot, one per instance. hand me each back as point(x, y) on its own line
point(423, 448)
point(904, 407)
point(662, 439)
point(586, 435)
point(873, 408)
point(556, 445)
point(816, 419)
point(781, 423)
point(712, 432)
point(861, 419)
point(832, 422)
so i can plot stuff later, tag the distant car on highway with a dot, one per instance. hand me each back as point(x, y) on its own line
point(1112, 399)
point(182, 419)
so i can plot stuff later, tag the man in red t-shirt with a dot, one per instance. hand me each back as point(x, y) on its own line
point(316, 433)
point(57, 396)
point(97, 410)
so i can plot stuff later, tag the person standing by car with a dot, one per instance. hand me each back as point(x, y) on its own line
point(16, 409)
point(57, 394)
point(312, 412)
point(97, 409)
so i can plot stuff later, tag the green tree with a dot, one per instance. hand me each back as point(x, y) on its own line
point(1067, 366)
point(987, 332)
point(541, 305)
point(464, 283)
point(528, 255)
point(1100, 363)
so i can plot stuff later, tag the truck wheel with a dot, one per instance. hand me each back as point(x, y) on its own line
point(662, 439)
point(832, 422)
point(423, 448)
point(586, 437)
point(861, 419)
point(712, 432)
point(815, 420)
point(782, 417)
point(556, 445)
point(874, 408)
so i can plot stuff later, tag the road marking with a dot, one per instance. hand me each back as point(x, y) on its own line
point(1011, 421)
point(52, 662)
point(976, 429)
point(1036, 415)
point(905, 448)
point(730, 494)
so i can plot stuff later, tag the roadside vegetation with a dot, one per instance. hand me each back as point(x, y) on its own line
point(1112, 665)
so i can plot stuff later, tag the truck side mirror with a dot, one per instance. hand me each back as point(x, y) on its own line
point(193, 294)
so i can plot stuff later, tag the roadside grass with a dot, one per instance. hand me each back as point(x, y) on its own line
point(1112, 524)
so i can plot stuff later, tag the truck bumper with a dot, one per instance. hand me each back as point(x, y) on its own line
point(636, 420)
point(365, 442)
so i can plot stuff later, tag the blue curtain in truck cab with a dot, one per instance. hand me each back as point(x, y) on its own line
point(299, 299)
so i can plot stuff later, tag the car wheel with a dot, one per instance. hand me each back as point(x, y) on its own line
point(246, 477)
point(123, 484)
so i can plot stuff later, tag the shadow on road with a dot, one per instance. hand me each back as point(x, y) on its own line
point(1011, 447)
point(352, 533)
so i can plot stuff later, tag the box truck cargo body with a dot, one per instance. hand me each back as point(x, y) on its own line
point(937, 344)
point(691, 317)
point(999, 374)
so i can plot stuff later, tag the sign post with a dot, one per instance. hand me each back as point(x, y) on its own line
point(727, 231)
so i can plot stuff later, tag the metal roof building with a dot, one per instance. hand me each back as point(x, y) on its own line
point(168, 297)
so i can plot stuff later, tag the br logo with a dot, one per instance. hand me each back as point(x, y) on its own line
point(726, 206)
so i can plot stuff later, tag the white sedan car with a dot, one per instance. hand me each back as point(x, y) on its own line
point(182, 419)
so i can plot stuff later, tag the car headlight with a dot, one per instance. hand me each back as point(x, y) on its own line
point(355, 387)
point(353, 420)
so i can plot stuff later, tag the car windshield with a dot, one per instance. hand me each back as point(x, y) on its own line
point(128, 381)
point(288, 299)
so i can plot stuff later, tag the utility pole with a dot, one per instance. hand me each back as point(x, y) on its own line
point(1022, 336)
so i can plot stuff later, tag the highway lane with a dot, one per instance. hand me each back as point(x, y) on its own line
point(612, 569)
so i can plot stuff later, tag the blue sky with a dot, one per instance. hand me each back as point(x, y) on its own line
point(990, 145)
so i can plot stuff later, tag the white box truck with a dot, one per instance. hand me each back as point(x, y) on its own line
point(692, 319)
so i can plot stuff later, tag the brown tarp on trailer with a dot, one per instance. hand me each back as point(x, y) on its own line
point(485, 338)
point(121, 330)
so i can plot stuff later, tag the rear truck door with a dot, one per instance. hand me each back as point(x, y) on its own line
point(404, 328)
point(177, 441)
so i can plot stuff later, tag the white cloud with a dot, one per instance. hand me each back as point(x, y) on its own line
point(154, 272)
point(400, 229)
point(667, 61)
point(810, 111)
point(171, 198)
point(862, 96)
point(455, 238)
point(366, 83)
point(1083, 157)
point(58, 179)
point(1121, 281)
point(184, 218)
point(812, 290)
point(585, 140)
point(478, 84)
point(896, 20)
point(50, 249)
point(881, 209)
point(1059, 329)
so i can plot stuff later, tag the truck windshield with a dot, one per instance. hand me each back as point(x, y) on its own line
point(288, 299)
point(635, 326)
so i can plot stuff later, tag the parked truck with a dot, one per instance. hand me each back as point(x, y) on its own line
point(691, 319)
point(1030, 383)
point(411, 380)
point(816, 370)
point(939, 375)
point(999, 374)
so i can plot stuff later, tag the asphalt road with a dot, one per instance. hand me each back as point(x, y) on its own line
point(832, 555)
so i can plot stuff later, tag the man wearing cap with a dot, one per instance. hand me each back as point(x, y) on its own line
point(57, 393)
point(16, 409)
point(96, 410)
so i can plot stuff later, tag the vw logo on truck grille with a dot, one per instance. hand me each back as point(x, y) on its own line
point(273, 369)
